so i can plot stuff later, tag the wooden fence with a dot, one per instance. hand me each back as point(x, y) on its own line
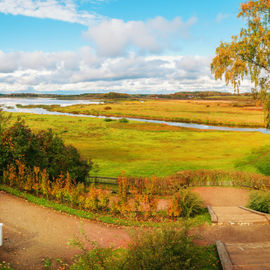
point(103, 180)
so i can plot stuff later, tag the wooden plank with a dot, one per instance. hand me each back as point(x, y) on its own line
point(214, 217)
point(224, 256)
point(267, 216)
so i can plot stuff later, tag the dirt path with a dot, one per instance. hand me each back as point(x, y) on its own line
point(228, 197)
point(223, 196)
point(32, 233)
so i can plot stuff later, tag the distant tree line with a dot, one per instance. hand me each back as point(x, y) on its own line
point(119, 96)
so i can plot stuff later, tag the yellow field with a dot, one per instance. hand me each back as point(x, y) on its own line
point(226, 113)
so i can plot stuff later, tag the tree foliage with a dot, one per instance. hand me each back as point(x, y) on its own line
point(44, 149)
point(248, 54)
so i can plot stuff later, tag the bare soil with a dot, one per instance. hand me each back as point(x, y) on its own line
point(228, 197)
point(209, 234)
point(32, 233)
point(223, 196)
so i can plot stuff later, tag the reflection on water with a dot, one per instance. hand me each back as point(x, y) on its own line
point(12, 102)
point(42, 101)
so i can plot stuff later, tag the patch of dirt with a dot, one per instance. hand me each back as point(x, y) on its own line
point(228, 197)
point(32, 233)
point(209, 234)
point(223, 196)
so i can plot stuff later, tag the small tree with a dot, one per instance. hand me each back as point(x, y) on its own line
point(248, 54)
point(45, 150)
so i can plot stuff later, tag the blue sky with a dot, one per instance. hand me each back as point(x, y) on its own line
point(150, 46)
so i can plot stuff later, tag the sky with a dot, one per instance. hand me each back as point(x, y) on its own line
point(97, 46)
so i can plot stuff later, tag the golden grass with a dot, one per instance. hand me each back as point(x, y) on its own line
point(214, 112)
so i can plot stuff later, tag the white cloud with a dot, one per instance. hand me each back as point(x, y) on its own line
point(84, 71)
point(111, 37)
point(115, 37)
point(63, 10)
point(221, 16)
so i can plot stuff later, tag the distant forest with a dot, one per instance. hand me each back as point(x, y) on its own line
point(115, 95)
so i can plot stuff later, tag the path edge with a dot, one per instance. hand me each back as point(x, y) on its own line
point(214, 218)
point(224, 256)
point(267, 216)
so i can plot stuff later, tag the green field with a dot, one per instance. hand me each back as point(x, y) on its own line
point(143, 149)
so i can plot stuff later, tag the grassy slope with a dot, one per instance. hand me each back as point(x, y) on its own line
point(142, 149)
point(232, 113)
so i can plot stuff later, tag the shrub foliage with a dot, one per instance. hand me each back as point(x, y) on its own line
point(160, 249)
point(260, 201)
point(44, 149)
point(185, 204)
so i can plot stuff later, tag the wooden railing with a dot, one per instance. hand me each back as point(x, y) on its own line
point(103, 180)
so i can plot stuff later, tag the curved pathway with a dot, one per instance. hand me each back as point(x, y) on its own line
point(32, 233)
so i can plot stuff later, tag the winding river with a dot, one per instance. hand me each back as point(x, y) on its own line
point(10, 105)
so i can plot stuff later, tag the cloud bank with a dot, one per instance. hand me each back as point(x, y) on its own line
point(115, 37)
point(121, 56)
point(84, 71)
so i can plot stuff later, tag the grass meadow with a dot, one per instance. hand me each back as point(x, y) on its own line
point(215, 112)
point(144, 149)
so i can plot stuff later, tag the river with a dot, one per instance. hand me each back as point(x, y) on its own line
point(10, 105)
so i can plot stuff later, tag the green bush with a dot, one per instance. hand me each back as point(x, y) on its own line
point(165, 248)
point(185, 204)
point(95, 259)
point(93, 256)
point(123, 120)
point(108, 119)
point(260, 201)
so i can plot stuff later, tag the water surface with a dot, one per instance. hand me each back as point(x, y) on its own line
point(9, 105)
point(12, 102)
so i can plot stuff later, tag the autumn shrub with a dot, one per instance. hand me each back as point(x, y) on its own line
point(171, 184)
point(185, 203)
point(220, 178)
point(44, 149)
point(138, 197)
point(260, 201)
